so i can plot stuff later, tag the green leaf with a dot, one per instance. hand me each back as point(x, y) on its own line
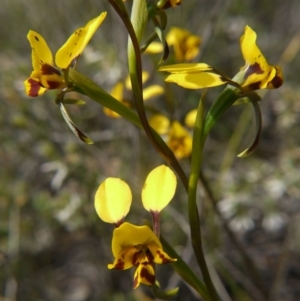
point(73, 127)
point(139, 18)
point(224, 101)
point(159, 28)
point(86, 86)
point(258, 124)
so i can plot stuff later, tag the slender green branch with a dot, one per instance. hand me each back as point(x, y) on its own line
point(135, 69)
point(196, 162)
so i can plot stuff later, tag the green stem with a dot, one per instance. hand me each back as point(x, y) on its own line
point(224, 101)
point(135, 30)
point(196, 162)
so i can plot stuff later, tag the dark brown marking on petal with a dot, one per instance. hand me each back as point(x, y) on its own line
point(135, 257)
point(255, 68)
point(53, 84)
point(34, 87)
point(162, 256)
point(70, 54)
point(149, 256)
point(276, 82)
point(254, 86)
point(144, 273)
point(36, 38)
point(119, 265)
point(49, 70)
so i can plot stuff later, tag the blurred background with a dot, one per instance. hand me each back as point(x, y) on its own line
point(53, 246)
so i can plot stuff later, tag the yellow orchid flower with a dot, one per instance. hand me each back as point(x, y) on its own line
point(45, 74)
point(256, 74)
point(178, 138)
point(138, 246)
point(159, 188)
point(113, 200)
point(185, 44)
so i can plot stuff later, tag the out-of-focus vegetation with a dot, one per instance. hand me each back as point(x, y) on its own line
point(53, 245)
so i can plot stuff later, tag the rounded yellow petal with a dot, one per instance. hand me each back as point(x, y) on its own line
point(128, 235)
point(77, 42)
point(41, 53)
point(160, 123)
point(112, 200)
point(159, 188)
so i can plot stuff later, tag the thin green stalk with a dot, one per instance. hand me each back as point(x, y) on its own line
point(135, 28)
point(224, 101)
point(196, 162)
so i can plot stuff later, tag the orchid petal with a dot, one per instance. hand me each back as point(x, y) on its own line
point(113, 200)
point(77, 42)
point(159, 188)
